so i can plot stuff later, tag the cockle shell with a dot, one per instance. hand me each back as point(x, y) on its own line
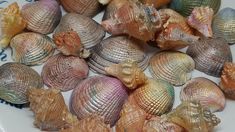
point(206, 92)
point(172, 66)
point(12, 23)
point(64, 72)
point(42, 16)
point(100, 95)
point(89, 31)
point(51, 112)
point(210, 54)
point(116, 49)
point(15, 80)
point(31, 48)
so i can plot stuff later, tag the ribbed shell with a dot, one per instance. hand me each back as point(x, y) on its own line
point(206, 92)
point(117, 49)
point(174, 67)
point(103, 96)
point(224, 24)
point(210, 54)
point(15, 80)
point(31, 48)
point(64, 72)
point(42, 16)
point(90, 32)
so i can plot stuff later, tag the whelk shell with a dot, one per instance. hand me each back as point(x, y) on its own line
point(31, 48)
point(172, 66)
point(42, 16)
point(15, 80)
point(206, 92)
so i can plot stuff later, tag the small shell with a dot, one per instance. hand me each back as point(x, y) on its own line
point(42, 16)
point(31, 48)
point(64, 72)
point(15, 80)
point(210, 54)
point(206, 92)
point(89, 31)
point(174, 67)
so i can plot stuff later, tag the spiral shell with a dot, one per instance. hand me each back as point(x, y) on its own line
point(210, 54)
point(174, 67)
point(31, 48)
point(206, 92)
point(89, 31)
point(15, 80)
point(42, 16)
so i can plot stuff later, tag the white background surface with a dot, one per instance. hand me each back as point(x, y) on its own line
point(21, 120)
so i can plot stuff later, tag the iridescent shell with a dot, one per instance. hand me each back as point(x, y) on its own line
point(42, 16)
point(15, 80)
point(210, 54)
point(172, 66)
point(51, 112)
point(206, 92)
point(64, 72)
point(89, 31)
point(116, 49)
point(224, 25)
point(31, 48)
point(11, 24)
point(185, 7)
point(100, 95)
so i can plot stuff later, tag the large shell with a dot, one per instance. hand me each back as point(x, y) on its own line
point(64, 72)
point(174, 67)
point(42, 16)
point(103, 96)
point(206, 92)
point(11, 24)
point(224, 24)
point(89, 31)
point(116, 49)
point(210, 54)
point(31, 48)
point(15, 80)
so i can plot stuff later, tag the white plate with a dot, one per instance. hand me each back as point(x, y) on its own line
point(21, 120)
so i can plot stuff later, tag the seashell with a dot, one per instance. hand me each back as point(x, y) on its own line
point(11, 24)
point(116, 49)
point(185, 7)
point(15, 80)
point(210, 54)
point(224, 25)
point(112, 8)
point(51, 112)
point(103, 96)
point(156, 3)
point(89, 31)
point(104, 2)
point(201, 20)
point(172, 66)
point(206, 92)
point(227, 83)
point(191, 116)
point(64, 72)
point(87, 8)
point(31, 48)
point(42, 16)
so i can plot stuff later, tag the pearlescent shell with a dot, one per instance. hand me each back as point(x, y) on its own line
point(31, 48)
point(224, 25)
point(42, 16)
point(117, 49)
point(15, 80)
point(210, 54)
point(64, 72)
point(174, 67)
point(206, 92)
point(89, 31)
point(100, 95)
